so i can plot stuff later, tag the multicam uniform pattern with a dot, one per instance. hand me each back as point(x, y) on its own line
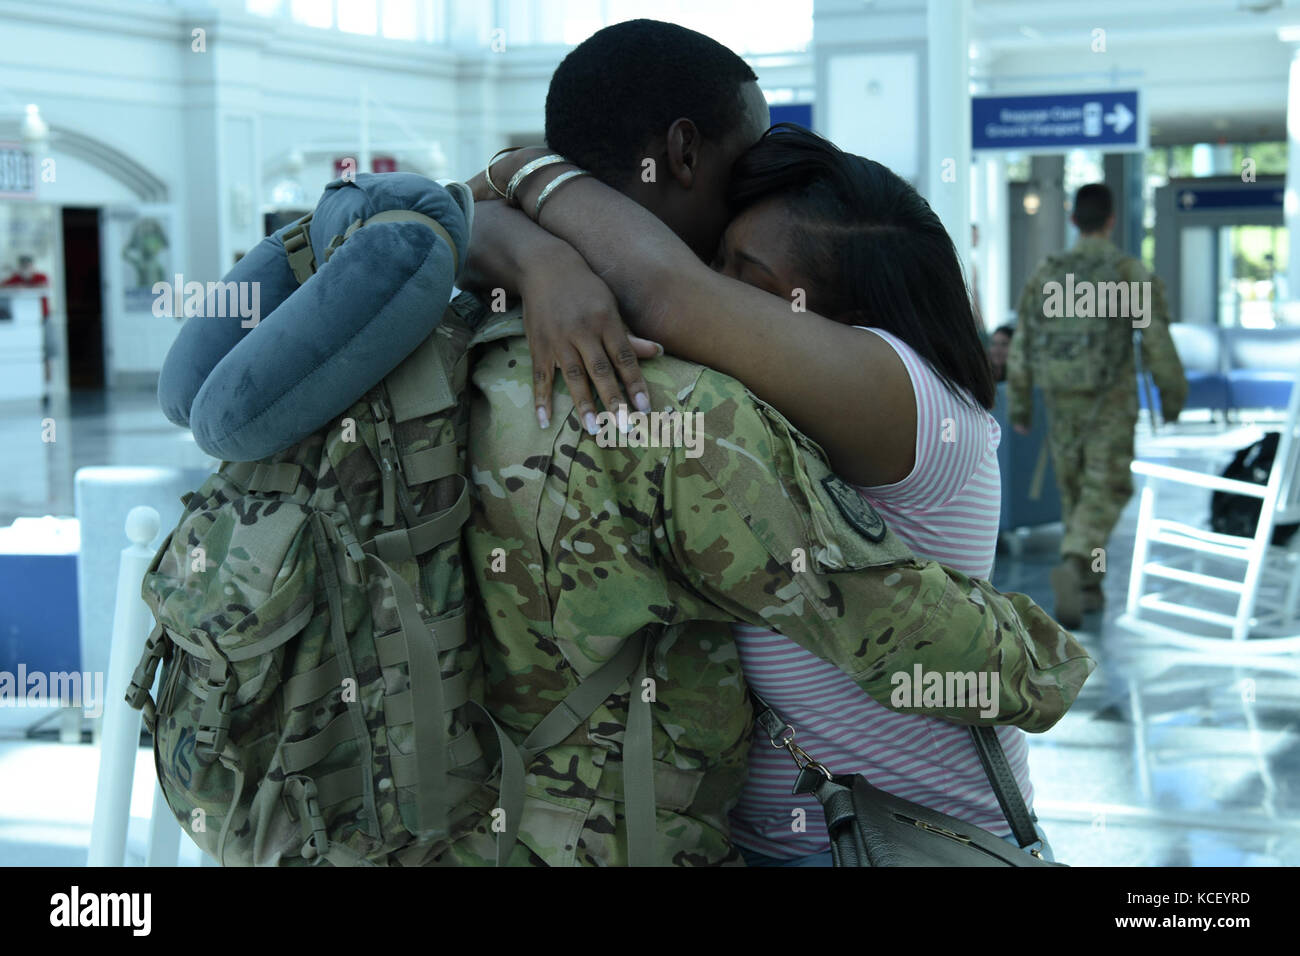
point(576, 547)
point(1085, 367)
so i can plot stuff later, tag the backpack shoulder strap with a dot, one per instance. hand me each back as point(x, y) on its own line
point(297, 246)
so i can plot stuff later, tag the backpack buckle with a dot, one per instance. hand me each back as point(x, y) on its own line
point(354, 556)
point(214, 722)
point(138, 691)
point(304, 790)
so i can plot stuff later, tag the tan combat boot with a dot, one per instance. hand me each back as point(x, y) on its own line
point(1093, 599)
point(1068, 578)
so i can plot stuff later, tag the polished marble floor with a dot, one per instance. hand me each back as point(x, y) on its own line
point(1169, 757)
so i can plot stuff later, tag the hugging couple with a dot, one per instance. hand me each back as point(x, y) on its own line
point(828, 542)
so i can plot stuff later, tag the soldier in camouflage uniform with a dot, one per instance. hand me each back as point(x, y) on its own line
point(1078, 314)
point(578, 545)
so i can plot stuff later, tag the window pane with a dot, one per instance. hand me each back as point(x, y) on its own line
point(400, 20)
point(264, 8)
point(359, 16)
point(313, 13)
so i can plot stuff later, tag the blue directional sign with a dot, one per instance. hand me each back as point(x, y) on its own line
point(1196, 199)
point(1110, 120)
point(800, 113)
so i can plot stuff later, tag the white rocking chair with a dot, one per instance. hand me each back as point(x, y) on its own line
point(1266, 587)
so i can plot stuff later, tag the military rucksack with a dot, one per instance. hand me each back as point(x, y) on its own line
point(321, 695)
point(317, 696)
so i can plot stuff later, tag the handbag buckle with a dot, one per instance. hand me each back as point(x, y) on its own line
point(802, 759)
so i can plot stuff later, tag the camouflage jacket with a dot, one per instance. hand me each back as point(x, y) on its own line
point(1077, 316)
point(576, 545)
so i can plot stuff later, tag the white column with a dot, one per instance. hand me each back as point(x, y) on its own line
point(946, 176)
point(994, 251)
point(1291, 202)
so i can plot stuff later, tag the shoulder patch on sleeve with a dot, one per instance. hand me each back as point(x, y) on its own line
point(856, 509)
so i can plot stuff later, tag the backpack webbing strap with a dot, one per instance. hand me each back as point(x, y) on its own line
point(425, 674)
point(405, 544)
point(638, 770)
point(279, 477)
point(431, 464)
point(297, 248)
point(405, 215)
point(343, 654)
point(569, 714)
point(511, 791)
point(401, 707)
point(451, 633)
point(301, 754)
point(638, 774)
point(227, 758)
point(302, 261)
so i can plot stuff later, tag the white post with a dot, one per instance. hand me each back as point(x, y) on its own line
point(1291, 202)
point(947, 171)
point(164, 833)
point(120, 739)
point(995, 238)
point(363, 160)
point(1137, 573)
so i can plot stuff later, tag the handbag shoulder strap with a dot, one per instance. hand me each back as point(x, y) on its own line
point(992, 758)
point(1005, 788)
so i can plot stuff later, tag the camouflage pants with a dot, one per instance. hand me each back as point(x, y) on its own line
point(1091, 439)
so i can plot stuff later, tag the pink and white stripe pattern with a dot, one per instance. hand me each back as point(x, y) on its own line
point(946, 510)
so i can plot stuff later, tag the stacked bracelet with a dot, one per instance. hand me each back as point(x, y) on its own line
point(487, 174)
point(553, 185)
point(527, 170)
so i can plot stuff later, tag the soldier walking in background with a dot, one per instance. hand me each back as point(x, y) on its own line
point(1078, 315)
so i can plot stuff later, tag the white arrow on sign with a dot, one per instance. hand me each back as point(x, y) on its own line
point(1122, 118)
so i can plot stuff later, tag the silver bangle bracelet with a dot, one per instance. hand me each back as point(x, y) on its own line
point(527, 170)
point(553, 185)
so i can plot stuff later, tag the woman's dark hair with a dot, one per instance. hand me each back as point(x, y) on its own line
point(876, 251)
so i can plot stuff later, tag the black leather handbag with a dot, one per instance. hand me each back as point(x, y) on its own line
point(869, 827)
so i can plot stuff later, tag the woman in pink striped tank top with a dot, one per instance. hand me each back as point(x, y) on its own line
point(913, 433)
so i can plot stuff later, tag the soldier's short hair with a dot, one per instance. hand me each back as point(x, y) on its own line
point(626, 84)
point(1093, 205)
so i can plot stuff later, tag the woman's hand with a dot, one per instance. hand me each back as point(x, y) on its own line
point(573, 323)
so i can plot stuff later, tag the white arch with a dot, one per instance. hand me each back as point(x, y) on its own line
point(146, 186)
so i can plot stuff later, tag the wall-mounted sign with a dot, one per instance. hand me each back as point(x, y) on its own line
point(1112, 121)
point(17, 172)
point(800, 113)
point(1198, 199)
